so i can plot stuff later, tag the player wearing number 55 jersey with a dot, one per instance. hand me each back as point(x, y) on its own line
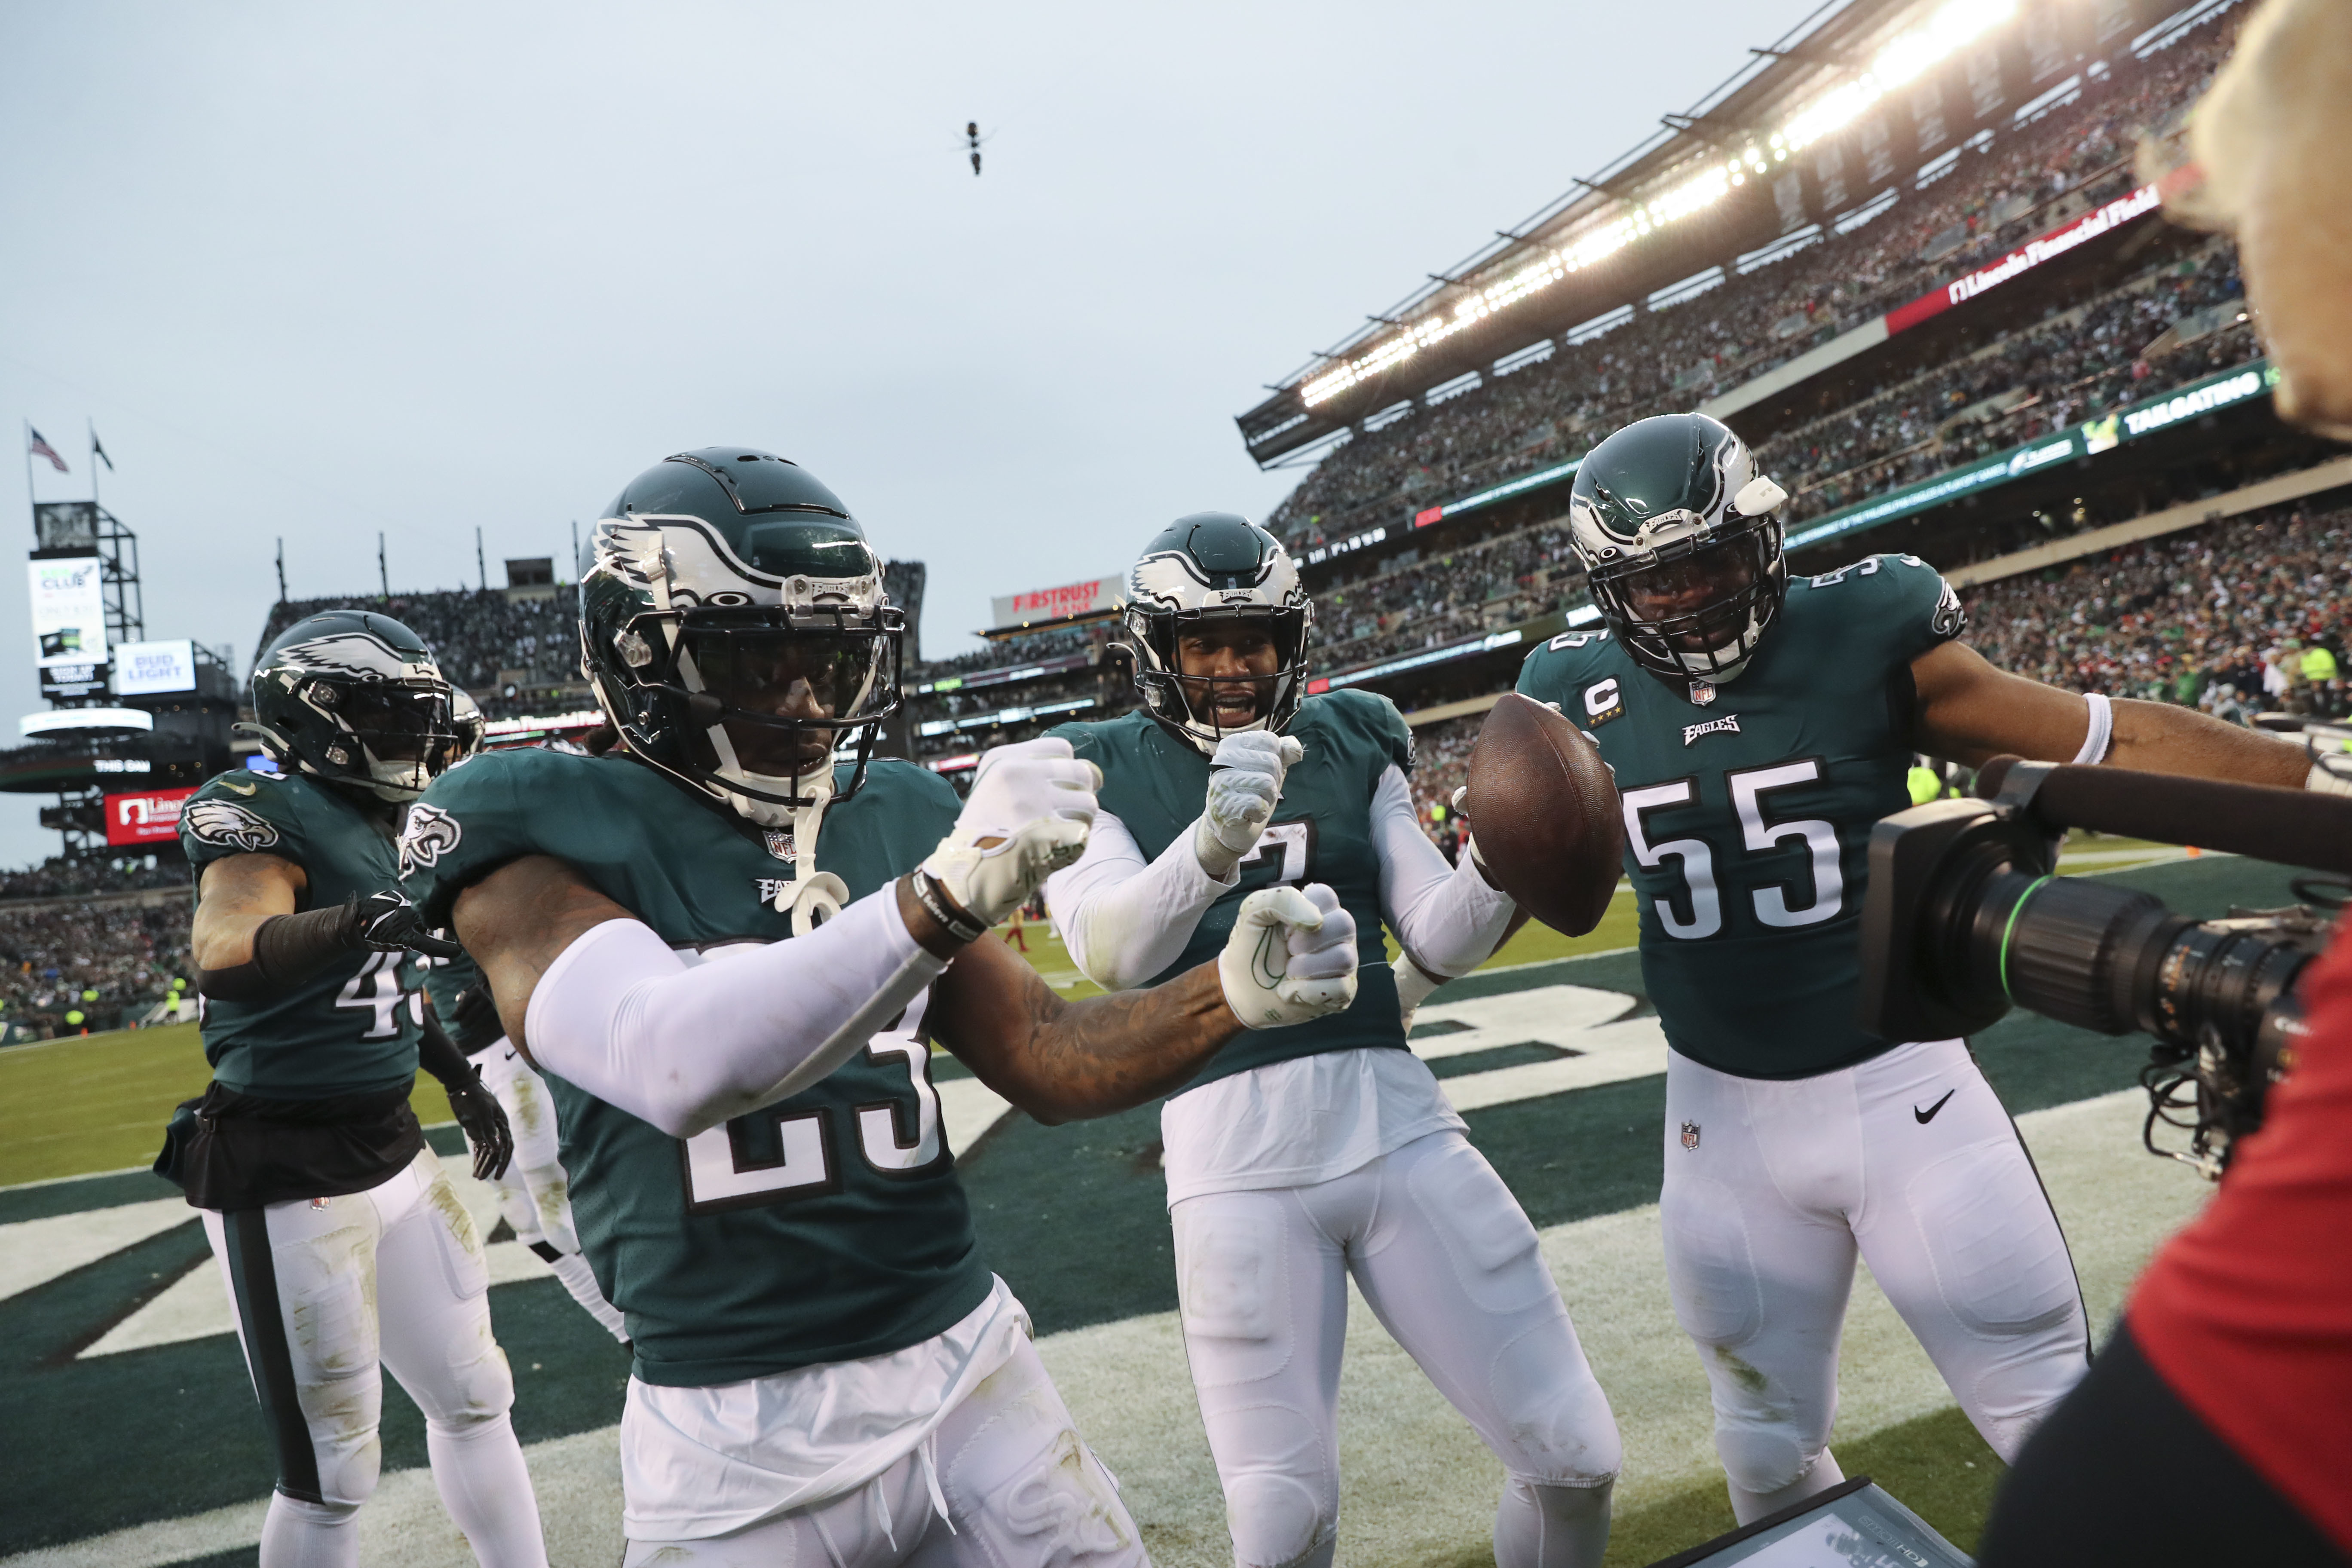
point(727, 953)
point(1307, 1155)
point(1757, 728)
point(339, 1237)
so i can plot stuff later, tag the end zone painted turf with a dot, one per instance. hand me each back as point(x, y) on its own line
point(155, 1455)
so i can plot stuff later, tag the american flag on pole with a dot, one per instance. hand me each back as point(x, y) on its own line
point(41, 449)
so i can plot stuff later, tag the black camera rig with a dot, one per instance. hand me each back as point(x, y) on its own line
point(1966, 916)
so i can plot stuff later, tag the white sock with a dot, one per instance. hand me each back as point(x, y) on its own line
point(478, 1470)
point(581, 1280)
point(1551, 1526)
point(298, 1534)
point(1748, 1507)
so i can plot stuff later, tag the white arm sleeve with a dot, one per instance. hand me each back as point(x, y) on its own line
point(1445, 917)
point(1123, 919)
point(686, 1045)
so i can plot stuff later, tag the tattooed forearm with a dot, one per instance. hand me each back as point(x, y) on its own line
point(1064, 1060)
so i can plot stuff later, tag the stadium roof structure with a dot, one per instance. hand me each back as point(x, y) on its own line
point(1823, 129)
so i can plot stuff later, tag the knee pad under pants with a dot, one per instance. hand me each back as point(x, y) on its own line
point(1447, 1259)
point(1771, 1189)
point(328, 1289)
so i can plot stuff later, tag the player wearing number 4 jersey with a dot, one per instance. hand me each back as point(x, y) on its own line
point(340, 1239)
point(1306, 1155)
point(1757, 728)
point(728, 955)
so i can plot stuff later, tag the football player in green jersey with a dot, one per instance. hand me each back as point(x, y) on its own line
point(340, 1238)
point(534, 1195)
point(1304, 1156)
point(727, 944)
point(1758, 727)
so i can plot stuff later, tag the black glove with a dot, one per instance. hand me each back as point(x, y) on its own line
point(484, 1122)
point(387, 923)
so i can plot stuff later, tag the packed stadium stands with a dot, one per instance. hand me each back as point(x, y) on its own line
point(1989, 198)
point(108, 960)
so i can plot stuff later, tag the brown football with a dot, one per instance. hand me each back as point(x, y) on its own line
point(1543, 807)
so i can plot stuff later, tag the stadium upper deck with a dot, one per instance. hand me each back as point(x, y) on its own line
point(1859, 106)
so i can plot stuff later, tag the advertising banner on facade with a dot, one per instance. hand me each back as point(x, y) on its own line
point(151, 668)
point(68, 610)
point(147, 817)
point(1058, 603)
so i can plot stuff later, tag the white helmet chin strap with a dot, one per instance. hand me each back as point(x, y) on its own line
point(812, 897)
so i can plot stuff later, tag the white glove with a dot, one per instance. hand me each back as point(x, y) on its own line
point(1245, 783)
point(1461, 793)
point(1292, 957)
point(1413, 986)
point(1026, 817)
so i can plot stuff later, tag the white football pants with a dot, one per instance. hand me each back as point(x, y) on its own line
point(1448, 1261)
point(325, 1288)
point(1773, 1186)
point(1004, 1482)
point(534, 1192)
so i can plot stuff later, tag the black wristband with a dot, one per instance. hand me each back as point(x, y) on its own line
point(437, 1054)
point(959, 923)
point(287, 951)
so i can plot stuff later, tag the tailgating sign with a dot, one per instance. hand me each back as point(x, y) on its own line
point(146, 817)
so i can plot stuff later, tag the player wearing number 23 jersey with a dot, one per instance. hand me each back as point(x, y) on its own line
point(1757, 728)
point(728, 953)
point(1303, 1157)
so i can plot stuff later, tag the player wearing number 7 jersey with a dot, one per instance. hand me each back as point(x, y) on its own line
point(728, 954)
point(1302, 1157)
point(1757, 728)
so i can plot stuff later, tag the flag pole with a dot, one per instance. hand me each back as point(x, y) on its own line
point(29, 501)
point(91, 425)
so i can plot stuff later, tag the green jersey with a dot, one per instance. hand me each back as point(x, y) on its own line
point(447, 979)
point(1321, 832)
point(351, 1028)
point(1748, 808)
point(801, 1233)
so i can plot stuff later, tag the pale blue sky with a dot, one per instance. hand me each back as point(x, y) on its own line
point(321, 271)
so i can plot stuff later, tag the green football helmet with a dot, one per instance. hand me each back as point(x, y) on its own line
point(1208, 569)
point(1678, 536)
point(355, 698)
point(734, 626)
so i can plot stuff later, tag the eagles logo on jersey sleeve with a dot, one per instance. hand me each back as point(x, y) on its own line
point(430, 833)
point(239, 813)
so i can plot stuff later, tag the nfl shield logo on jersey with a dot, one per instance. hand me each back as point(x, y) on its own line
point(780, 842)
point(1702, 692)
point(1690, 1134)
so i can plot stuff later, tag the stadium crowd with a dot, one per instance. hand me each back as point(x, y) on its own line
point(478, 635)
point(60, 877)
point(67, 970)
point(2235, 617)
point(1987, 200)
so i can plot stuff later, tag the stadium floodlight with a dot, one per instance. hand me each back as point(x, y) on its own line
point(1955, 25)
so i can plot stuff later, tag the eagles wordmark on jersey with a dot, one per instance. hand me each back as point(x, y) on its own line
point(1321, 832)
point(826, 1227)
point(1748, 807)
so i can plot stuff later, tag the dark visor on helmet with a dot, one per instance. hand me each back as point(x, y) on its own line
point(785, 696)
point(398, 724)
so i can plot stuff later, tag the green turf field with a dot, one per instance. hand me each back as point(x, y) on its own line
point(113, 1346)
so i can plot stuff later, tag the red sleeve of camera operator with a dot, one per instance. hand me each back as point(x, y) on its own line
point(2247, 1313)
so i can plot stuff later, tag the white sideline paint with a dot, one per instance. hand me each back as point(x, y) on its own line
point(196, 1304)
point(1418, 1486)
point(968, 1108)
point(1572, 1017)
point(36, 1251)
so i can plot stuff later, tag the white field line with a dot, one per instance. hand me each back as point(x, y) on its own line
point(1419, 1486)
